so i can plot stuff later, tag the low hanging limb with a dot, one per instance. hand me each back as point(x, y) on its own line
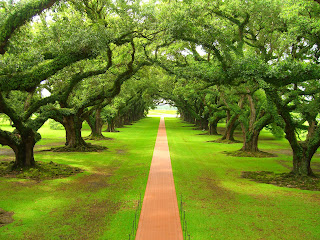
point(23, 13)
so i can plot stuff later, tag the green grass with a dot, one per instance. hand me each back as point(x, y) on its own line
point(100, 202)
point(220, 204)
point(96, 204)
point(166, 113)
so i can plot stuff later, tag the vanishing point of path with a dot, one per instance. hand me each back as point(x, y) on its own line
point(159, 219)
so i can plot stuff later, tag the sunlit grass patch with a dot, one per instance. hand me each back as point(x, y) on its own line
point(220, 204)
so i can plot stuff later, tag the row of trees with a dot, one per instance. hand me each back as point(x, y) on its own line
point(258, 67)
point(253, 63)
point(79, 54)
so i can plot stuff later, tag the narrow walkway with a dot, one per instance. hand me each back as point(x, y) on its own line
point(159, 219)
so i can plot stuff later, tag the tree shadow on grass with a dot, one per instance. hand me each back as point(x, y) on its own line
point(225, 141)
point(41, 171)
point(288, 180)
point(258, 154)
point(5, 217)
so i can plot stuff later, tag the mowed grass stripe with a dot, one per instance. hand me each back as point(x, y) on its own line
point(220, 204)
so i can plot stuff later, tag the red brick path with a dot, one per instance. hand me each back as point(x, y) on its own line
point(159, 219)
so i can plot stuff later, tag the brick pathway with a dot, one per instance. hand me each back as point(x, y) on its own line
point(159, 219)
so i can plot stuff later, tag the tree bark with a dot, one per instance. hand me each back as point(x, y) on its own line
point(231, 126)
point(228, 116)
point(301, 161)
point(232, 122)
point(73, 125)
point(303, 151)
point(95, 123)
point(255, 122)
point(250, 144)
point(24, 156)
point(204, 124)
point(111, 125)
point(213, 126)
point(118, 121)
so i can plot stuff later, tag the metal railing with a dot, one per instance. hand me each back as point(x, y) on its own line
point(184, 224)
point(135, 222)
point(183, 219)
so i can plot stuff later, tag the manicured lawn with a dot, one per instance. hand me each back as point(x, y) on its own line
point(220, 204)
point(96, 204)
point(165, 113)
point(100, 202)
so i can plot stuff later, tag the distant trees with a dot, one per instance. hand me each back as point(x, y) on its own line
point(253, 63)
point(264, 59)
point(65, 55)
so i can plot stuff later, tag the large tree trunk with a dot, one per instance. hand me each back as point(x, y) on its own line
point(188, 118)
point(111, 125)
point(198, 123)
point(127, 120)
point(228, 116)
point(73, 126)
point(301, 161)
point(250, 143)
point(302, 151)
point(255, 123)
point(24, 152)
point(204, 124)
point(95, 123)
point(213, 125)
point(118, 121)
point(213, 128)
point(231, 126)
point(181, 115)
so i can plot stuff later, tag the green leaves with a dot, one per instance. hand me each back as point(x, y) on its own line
point(22, 12)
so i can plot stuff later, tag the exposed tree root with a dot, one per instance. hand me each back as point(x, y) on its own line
point(97, 137)
point(82, 148)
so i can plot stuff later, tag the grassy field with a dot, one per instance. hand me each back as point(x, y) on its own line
point(100, 202)
point(96, 204)
point(220, 204)
point(164, 113)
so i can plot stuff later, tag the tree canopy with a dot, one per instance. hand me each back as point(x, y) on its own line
point(253, 63)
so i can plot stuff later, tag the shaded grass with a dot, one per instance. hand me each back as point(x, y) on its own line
point(41, 171)
point(98, 203)
point(285, 179)
point(225, 141)
point(220, 204)
point(258, 154)
point(5, 217)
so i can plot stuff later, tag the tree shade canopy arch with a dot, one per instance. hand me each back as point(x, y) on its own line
point(107, 61)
